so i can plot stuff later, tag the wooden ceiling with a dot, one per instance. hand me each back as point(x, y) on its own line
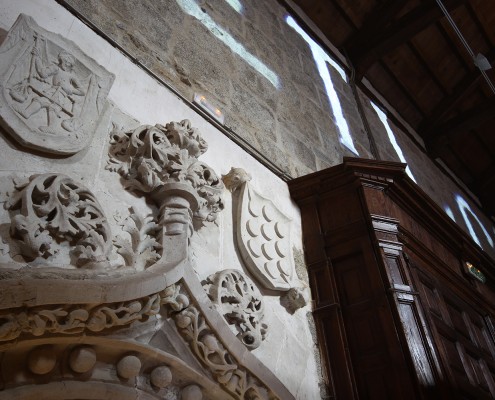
point(412, 56)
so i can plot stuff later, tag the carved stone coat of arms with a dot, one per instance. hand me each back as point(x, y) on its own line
point(52, 94)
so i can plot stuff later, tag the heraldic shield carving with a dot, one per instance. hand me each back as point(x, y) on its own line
point(53, 94)
point(263, 234)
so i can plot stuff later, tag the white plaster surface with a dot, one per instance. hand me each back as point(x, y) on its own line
point(287, 351)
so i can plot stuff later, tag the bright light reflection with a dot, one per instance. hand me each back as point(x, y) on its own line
point(449, 212)
point(235, 4)
point(193, 9)
point(464, 207)
point(321, 58)
point(392, 139)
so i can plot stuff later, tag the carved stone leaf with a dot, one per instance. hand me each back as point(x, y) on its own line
point(241, 304)
point(143, 249)
point(55, 209)
point(150, 157)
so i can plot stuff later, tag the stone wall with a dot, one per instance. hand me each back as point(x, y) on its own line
point(135, 98)
point(247, 60)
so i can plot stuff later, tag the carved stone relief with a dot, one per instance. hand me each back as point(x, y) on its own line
point(74, 320)
point(143, 248)
point(99, 369)
point(52, 94)
point(55, 216)
point(263, 234)
point(163, 161)
point(207, 347)
point(241, 304)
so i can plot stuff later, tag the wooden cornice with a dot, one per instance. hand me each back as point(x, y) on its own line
point(391, 177)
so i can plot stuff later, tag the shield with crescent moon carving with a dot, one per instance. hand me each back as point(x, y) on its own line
point(263, 236)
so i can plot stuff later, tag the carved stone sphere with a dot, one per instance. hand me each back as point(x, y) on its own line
point(191, 392)
point(42, 360)
point(82, 359)
point(161, 377)
point(128, 367)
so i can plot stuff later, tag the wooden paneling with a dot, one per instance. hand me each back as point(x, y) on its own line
point(397, 315)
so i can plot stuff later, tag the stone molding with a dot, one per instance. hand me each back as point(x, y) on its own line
point(105, 367)
point(209, 337)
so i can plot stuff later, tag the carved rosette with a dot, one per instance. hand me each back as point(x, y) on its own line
point(241, 304)
point(55, 210)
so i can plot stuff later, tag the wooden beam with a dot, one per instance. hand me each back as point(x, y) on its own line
point(484, 188)
point(461, 123)
point(369, 45)
point(375, 21)
point(448, 103)
point(486, 179)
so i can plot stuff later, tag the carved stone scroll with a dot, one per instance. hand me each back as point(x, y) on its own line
point(263, 234)
point(55, 210)
point(52, 94)
point(241, 304)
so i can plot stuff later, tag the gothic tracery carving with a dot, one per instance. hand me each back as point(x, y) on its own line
point(53, 210)
point(241, 304)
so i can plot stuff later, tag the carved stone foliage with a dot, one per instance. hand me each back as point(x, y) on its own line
point(263, 234)
point(52, 94)
point(241, 304)
point(151, 159)
point(72, 319)
point(143, 248)
point(238, 381)
point(54, 214)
